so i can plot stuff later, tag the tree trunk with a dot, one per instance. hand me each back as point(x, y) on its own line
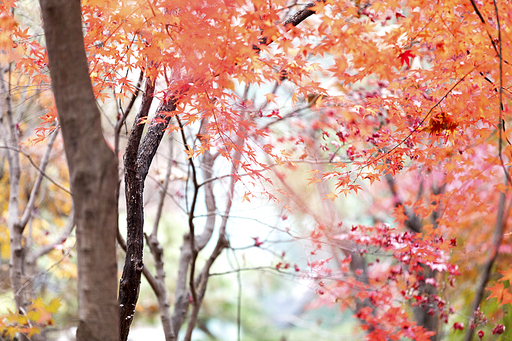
point(92, 171)
point(137, 160)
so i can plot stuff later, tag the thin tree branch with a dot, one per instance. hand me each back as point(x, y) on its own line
point(502, 216)
point(501, 224)
point(182, 299)
point(239, 299)
point(37, 167)
point(32, 278)
point(293, 20)
point(222, 242)
point(163, 191)
point(209, 198)
point(124, 113)
point(242, 269)
point(485, 27)
point(501, 122)
point(191, 225)
point(157, 251)
point(66, 232)
point(29, 208)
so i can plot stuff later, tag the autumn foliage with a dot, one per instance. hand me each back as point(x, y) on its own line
point(403, 103)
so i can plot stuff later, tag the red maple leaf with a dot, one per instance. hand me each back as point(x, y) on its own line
point(404, 57)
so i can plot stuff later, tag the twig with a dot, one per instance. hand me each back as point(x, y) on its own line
point(483, 22)
point(70, 225)
point(27, 213)
point(239, 299)
point(293, 20)
point(222, 242)
point(241, 269)
point(31, 279)
point(501, 122)
point(163, 191)
point(125, 113)
point(37, 167)
point(191, 216)
point(502, 216)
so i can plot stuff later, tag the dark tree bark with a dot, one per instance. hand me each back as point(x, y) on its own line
point(92, 171)
point(137, 160)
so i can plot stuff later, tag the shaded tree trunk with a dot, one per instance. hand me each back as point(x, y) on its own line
point(137, 160)
point(92, 171)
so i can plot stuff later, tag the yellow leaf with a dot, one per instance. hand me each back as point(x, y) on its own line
point(53, 306)
point(11, 331)
point(33, 315)
point(33, 330)
point(37, 303)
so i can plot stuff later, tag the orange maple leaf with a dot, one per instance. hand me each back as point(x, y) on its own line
point(189, 152)
point(399, 214)
point(502, 295)
point(507, 276)
point(331, 196)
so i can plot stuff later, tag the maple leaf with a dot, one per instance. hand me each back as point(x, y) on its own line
point(245, 197)
point(331, 196)
point(53, 306)
point(189, 152)
point(404, 57)
point(507, 276)
point(502, 295)
point(270, 97)
point(313, 180)
point(399, 214)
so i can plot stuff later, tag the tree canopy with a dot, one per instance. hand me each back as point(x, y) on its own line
point(378, 130)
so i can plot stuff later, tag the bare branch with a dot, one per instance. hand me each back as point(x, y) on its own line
point(192, 238)
point(124, 113)
point(157, 251)
point(27, 213)
point(48, 269)
point(242, 269)
point(163, 191)
point(222, 243)
point(211, 207)
point(37, 167)
point(66, 232)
